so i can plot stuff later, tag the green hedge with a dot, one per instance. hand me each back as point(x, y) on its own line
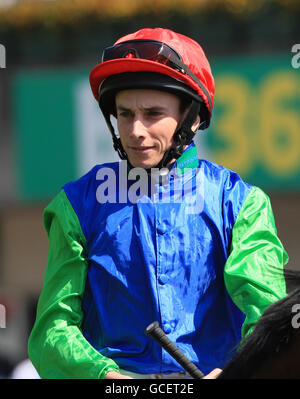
point(72, 31)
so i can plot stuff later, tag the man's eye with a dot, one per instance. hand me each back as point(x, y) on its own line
point(124, 114)
point(155, 113)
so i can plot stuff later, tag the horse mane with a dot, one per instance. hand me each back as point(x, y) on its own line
point(271, 333)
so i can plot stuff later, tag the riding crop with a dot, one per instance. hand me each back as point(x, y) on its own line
point(155, 332)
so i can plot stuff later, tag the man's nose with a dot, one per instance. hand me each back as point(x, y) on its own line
point(138, 127)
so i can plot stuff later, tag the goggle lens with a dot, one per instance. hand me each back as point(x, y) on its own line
point(145, 49)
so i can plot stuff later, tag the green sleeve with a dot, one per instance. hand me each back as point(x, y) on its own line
point(56, 345)
point(254, 269)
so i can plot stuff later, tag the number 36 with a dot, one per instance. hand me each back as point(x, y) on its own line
point(259, 125)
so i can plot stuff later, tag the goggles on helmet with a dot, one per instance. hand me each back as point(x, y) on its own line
point(151, 50)
point(146, 49)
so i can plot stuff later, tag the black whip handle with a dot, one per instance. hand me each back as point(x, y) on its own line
point(155, 332)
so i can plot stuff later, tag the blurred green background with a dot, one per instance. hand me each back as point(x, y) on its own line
point(51, 130)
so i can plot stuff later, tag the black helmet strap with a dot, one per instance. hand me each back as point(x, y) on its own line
point(116, 140)
point(183, 135)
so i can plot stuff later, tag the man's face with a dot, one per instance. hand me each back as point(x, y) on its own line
point(147, 120)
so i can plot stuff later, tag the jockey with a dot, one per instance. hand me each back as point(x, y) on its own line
point(197, 252)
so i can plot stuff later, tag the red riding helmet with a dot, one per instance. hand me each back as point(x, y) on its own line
point(156, 59)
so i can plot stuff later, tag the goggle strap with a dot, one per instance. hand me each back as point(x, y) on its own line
point(194, 77)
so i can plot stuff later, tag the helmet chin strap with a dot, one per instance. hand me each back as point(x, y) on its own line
point(116, 140)
point(183, 136)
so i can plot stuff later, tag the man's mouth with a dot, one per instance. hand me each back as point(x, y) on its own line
point(141, 149)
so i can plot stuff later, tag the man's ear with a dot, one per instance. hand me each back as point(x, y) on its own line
point(196, 124)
